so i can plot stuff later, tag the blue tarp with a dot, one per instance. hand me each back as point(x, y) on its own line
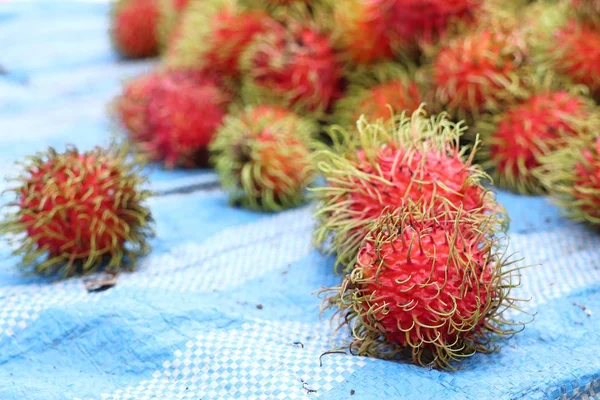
point(218, 309)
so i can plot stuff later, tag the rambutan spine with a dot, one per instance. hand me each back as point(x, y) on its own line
point(75, 212)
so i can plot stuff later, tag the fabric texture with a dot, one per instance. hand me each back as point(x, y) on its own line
point(224, 306)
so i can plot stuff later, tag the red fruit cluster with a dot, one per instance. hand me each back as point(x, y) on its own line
point(298, 66)
point(134, 28)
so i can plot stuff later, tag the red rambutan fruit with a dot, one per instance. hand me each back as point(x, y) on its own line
point(183, 113)
point(432, 290)
point(294, 66)
point(363, 30)
point(575, 53)
point(537, 125)
point(131, 105)
point(134, 28)
point(264, 157)
point(214, 34)
point(572, 177)
point(476, 71)
point(379, 166)
point(425, 21)
point(378, 93)
point(82, 210)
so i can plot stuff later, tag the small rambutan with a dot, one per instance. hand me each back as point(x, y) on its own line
point(572, 177)
point(134, 28)
point(476, 71)
point(363, 30)
point(183, 113)
point(431, 290)
point(378, 93)
point(82, 210)
point(379, 166)
point(541, 123)
point(131, 105)
point(214, 34)
point(575, 53)
point(295, 66)
point(263, 157)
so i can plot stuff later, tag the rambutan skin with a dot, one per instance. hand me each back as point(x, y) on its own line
point(391, 166)
point(264, 157)
point(477, 71)
point(572, 177)
point(576, 54)
point(429, 289)
point(134, 28)
point(295, 66)
point(82, 210)
point(517, 138)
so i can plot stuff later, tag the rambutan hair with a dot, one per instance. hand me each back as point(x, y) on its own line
point(417, 159)
point(75, 212)
point(429, 288)
point(264, 157)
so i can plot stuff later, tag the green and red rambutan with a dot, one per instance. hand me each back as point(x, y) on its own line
point(294, 65)
point(134, 28)
point(545, 120)
point(214, 34)
point(575, 53)
point(379, 165)
point(75, 212)
point(363, 31)
point(378, 92)
point(430, 289)
point(476, 71)
point(264, 157)
point(572, 177)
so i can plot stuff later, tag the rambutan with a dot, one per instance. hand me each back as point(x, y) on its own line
point(587, 10)
point(183, 113)
point(429, 289)
point(572, 177)
point(476, 71)
point(134, 28)
point(83, 210)
point(425, 21)
point(214, 34)
point(575, 53)
point(363, 30)
point(295, 66)
point(379, 166)
point(131, 105)
point(378, 93)
point(543, 122)
point(263, 157)
point(171, 13)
